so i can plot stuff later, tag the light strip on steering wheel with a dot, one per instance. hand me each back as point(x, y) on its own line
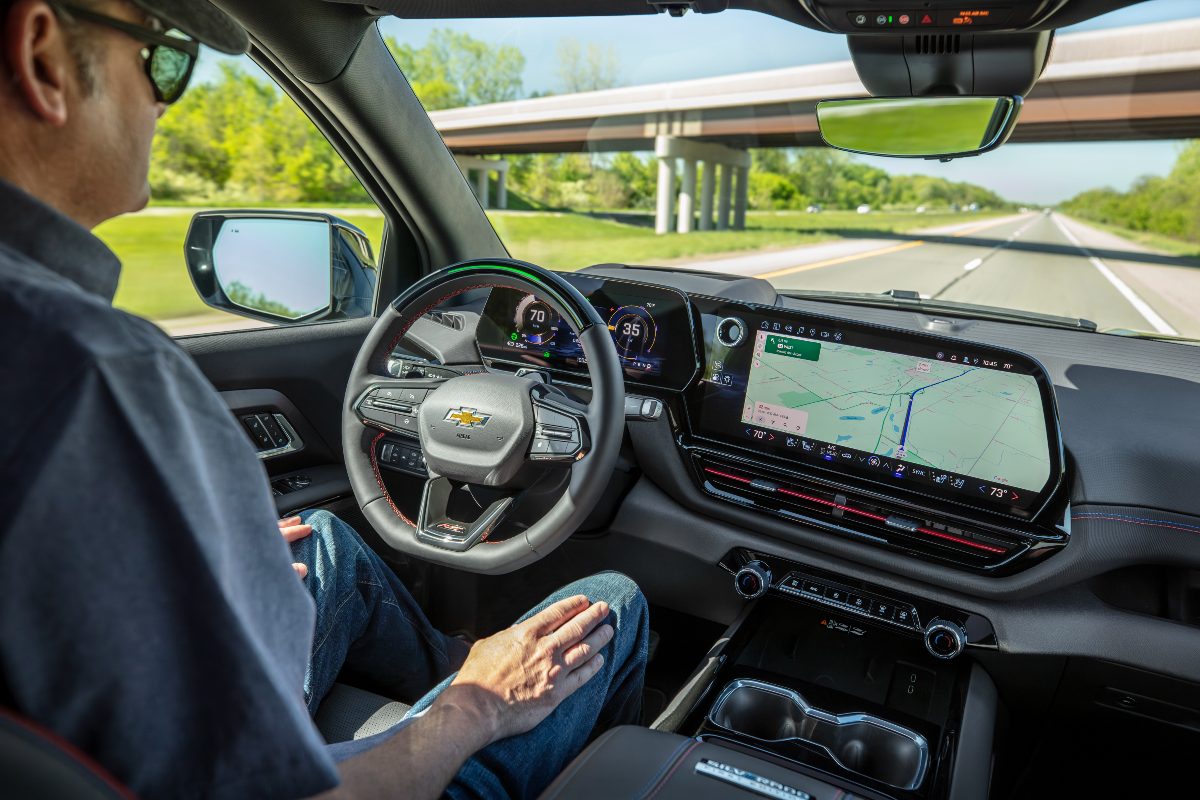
point(580, 324)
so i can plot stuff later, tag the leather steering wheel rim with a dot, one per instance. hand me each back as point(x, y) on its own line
point(589, 474)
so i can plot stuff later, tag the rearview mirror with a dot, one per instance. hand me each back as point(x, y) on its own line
point(918, 127)
point(281, 266)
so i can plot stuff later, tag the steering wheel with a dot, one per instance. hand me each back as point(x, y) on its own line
point(496, 433)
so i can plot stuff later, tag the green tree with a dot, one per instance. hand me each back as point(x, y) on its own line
point(1167, 205)
point(453, 69)
point(239, 139)
point(586, 69)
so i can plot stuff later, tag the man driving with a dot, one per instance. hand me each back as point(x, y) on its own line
point(150, 611)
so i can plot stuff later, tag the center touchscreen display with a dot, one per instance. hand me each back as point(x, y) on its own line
point(940, 416)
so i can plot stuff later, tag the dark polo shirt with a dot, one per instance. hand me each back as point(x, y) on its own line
point(148, 610)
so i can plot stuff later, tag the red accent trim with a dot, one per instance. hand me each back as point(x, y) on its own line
point(727, 475)
point(382, 487)
point(867, 514)
point(1091, 515)
point(862, 513)
point(70, 751)
point(809, 498)
point(977, 545)
point(674, 768)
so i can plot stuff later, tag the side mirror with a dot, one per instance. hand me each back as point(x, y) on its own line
point(918, 127)
point(281, 266)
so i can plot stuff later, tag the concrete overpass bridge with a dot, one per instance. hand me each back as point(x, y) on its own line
point(1139, 82)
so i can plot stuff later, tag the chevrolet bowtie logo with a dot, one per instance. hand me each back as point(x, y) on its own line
point(467, 417)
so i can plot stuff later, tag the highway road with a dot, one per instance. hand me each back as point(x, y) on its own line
point(1048, 263)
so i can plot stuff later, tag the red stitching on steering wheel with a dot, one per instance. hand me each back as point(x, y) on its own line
point(432, 306)
point(379, 479)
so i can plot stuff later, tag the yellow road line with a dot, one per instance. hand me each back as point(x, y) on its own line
point(829, 262)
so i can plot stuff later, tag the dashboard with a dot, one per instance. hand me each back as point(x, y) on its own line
point(943, 449)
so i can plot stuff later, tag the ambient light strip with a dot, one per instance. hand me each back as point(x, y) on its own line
point(987, 548)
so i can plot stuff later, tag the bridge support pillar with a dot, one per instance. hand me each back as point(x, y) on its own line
point(687, 196)
point(707, 187)
point(726, 192)
point(741, 198)
point(666, 195)
point(670, 149)
point(482, 169)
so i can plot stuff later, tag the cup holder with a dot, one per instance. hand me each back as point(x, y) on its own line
point(861, 743)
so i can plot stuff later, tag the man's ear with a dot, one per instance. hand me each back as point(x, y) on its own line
point(39, 61)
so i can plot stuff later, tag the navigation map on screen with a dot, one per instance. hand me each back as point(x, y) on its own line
point(975, 420)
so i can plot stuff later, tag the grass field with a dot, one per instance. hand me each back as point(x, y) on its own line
point(1155, 241)
point(155, 284)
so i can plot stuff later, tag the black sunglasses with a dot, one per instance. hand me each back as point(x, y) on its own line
point(169, 58)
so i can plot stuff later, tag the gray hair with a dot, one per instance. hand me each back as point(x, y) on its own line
point(81, 48)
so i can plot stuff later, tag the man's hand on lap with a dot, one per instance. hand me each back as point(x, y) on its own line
point(517, 677)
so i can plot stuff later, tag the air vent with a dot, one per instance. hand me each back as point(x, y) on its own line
point(861, 516)
point(447, 319)
point(938, 44)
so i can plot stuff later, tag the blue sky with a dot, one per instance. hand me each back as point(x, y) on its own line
point(656, 48)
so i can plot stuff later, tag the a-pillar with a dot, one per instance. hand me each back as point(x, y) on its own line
point(741, 199)
point(723, 203)
point(687, 196)
point(708, 186)
point(666, 194)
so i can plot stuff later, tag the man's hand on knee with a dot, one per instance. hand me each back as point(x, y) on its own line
point(520, 675)
point(293, 530)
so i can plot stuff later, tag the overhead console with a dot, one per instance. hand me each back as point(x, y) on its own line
point(933, 446)
point(932, 16)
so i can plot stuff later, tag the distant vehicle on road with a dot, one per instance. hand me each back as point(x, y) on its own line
point(815, 208)
point(864, 209)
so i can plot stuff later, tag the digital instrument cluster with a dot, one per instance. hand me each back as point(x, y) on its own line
point(651, 328)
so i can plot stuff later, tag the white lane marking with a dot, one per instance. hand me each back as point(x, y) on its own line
point(1141, 306)
point(973, 263)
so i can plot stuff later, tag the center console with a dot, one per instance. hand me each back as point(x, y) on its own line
point(847, 683)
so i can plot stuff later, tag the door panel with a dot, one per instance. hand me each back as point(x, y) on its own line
point(298, 373)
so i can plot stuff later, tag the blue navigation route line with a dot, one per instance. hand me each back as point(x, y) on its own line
point(912, 396)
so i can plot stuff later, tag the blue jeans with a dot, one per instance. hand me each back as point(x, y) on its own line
point(369, 624)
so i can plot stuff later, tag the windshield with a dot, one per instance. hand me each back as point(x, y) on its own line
point(691, 142)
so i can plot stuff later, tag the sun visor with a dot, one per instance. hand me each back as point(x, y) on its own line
point(950, 63)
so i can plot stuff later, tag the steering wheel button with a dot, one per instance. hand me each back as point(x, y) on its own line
point(413, 395)
point(378, 415)
point(564, 448)
point(553, 419)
